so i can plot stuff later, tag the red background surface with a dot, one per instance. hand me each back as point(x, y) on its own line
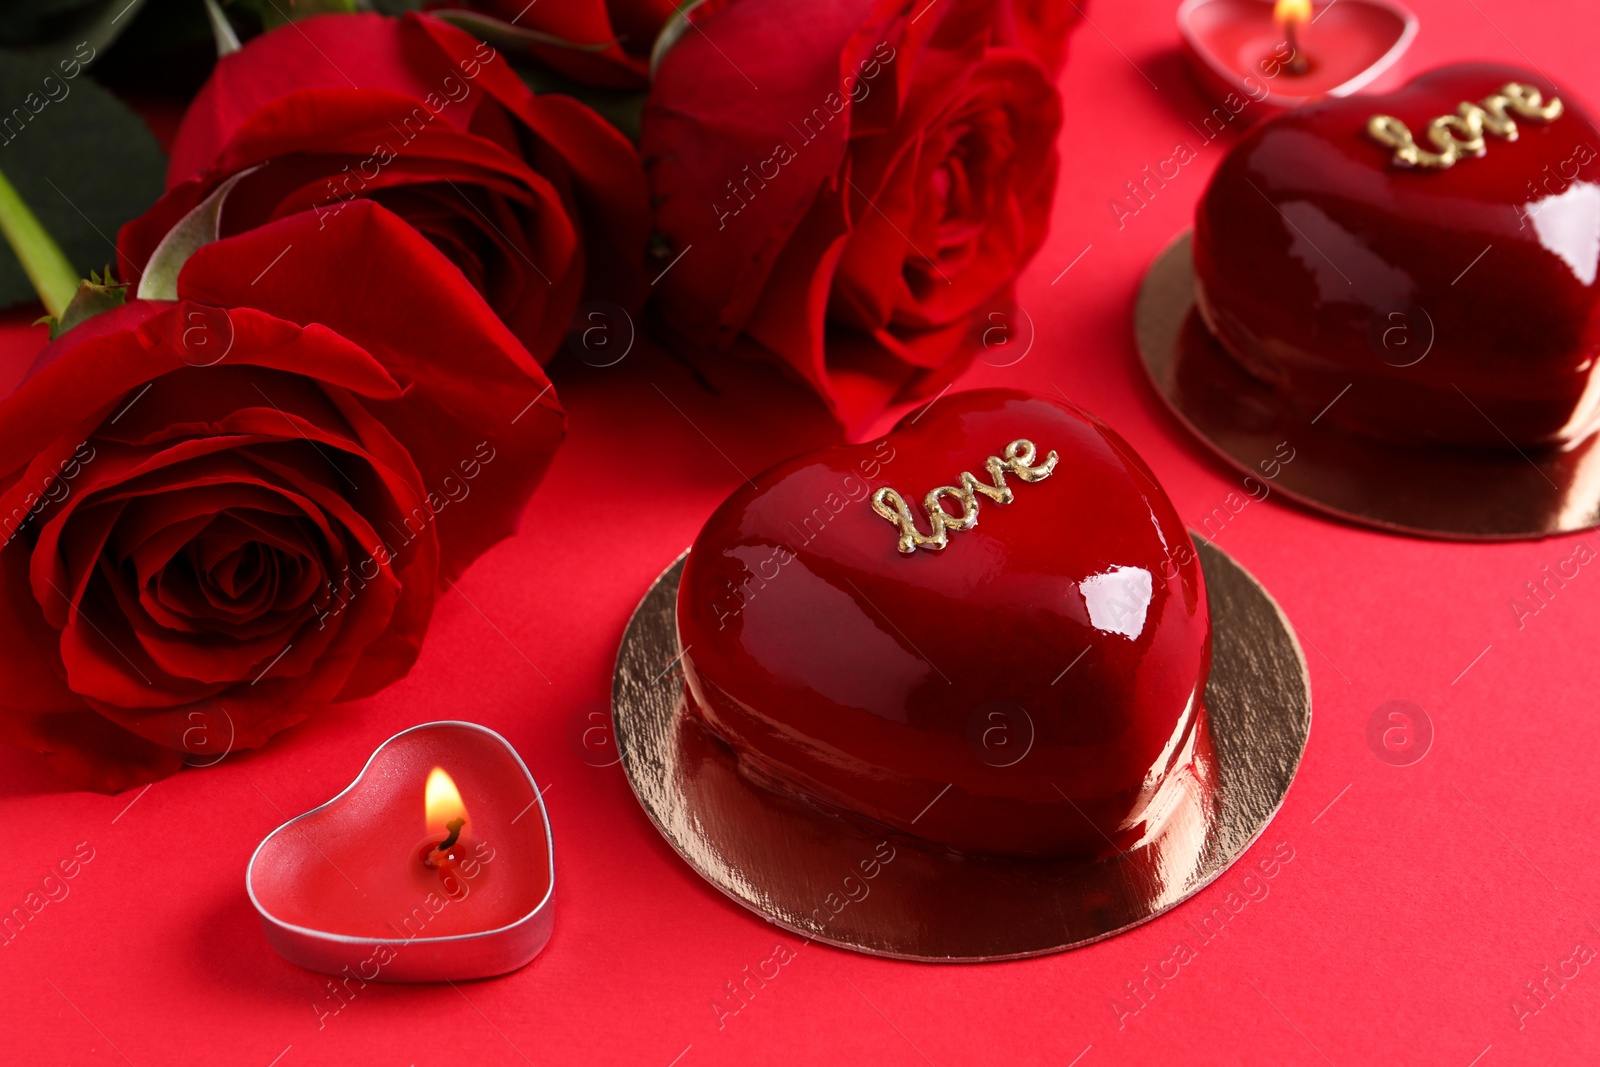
point(1418, 902)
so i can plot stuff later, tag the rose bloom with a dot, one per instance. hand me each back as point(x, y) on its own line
point(1039, 26)
point(858, 214)
point(603, 43)
point(537, 199)
point(224, 512)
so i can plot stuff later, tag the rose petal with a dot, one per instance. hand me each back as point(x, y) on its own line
point(110, 362)
point(486, 413)
point(714, 171)
point(87, 750)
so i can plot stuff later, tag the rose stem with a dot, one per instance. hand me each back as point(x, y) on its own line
point(42, 260)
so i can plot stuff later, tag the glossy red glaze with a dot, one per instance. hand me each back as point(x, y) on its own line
point(1028, 689)
point(1320, 264)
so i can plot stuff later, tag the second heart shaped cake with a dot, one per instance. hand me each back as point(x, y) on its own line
point(1427, 259)
point(987, 629)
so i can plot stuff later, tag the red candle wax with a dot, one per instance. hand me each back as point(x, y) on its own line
point(357, 883)
point(1238, 47)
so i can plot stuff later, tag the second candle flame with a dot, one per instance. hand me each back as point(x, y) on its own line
point(1292, 12)
point(442, 801)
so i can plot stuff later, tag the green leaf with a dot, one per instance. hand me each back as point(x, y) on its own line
point(275, 13)
point(201, 226)
point(52, 29)
point(222, 31)
point(672, 30)
point(81, 160)
point(36, 21)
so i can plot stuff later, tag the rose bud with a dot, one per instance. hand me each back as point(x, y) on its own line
point(1041, 27)
point(854, 217)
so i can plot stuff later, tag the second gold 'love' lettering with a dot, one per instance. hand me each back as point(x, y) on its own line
point(1018, 460)
point(1461, 134)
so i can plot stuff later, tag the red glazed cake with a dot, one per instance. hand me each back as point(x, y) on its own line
point(1426, 258)
point(1018, 672)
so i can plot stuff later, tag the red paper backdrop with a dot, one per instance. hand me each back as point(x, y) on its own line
point(1418, 902)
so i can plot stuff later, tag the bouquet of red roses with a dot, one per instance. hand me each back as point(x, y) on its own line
point(235, 479)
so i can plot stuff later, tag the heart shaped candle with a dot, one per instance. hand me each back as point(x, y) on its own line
point(1281, 56)
point(1460, 213)
point(987, 629)
point(434, 864)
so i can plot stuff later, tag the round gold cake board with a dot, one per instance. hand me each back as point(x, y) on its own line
point(870, 889)
point(1458, 494)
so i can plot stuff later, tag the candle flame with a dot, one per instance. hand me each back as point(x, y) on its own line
point(442, 801)
point(1292, 12)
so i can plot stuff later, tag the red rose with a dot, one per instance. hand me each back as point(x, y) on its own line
point(537, 199)
point(604, 43)
point(1039, 26)
point(852, 214)
point(222, 512)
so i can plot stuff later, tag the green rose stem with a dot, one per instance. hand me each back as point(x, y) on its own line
point(52, 276)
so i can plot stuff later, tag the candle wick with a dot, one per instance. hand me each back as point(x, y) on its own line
point(1298, 64)
point(454, 826)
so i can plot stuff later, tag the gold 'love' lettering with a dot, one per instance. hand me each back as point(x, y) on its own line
point(1461, 134)
point(1018, 460)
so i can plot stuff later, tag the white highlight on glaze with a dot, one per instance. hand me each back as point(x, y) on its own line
point(1344, 268)
point(1118, 600)
point(1568, 225)
point(1587, 412)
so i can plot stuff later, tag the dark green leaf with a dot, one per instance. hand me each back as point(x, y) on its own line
point(32, 21)
point(275, 13)
point(79, 159)
point(676, 26)
point(53, 29)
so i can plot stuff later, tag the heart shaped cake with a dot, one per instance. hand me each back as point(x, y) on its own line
point(1433, 251)
point(987, 629)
